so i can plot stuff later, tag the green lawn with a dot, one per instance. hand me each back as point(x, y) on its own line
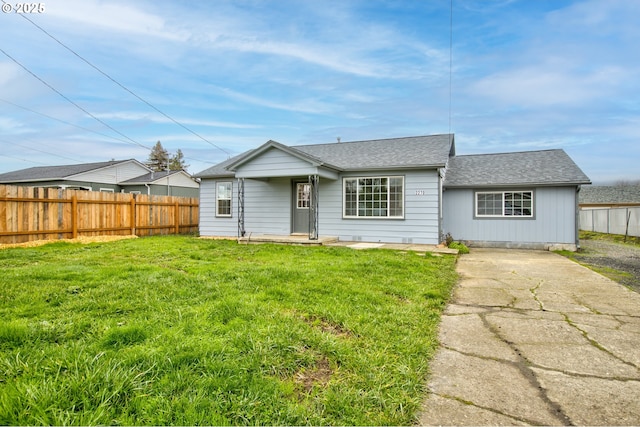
point(180, 330)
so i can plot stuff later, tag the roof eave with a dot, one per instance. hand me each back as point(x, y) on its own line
point(518, 184)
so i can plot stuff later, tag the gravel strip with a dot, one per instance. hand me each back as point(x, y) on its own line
point(615, 256)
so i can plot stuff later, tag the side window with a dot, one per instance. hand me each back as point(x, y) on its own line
point(223, 199)
point(504, 204)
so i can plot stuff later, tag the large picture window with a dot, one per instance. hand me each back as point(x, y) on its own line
point(504, 203)
point(374, 197)
point(223, 198)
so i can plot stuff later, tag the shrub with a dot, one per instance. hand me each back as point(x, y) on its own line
point(461, 247)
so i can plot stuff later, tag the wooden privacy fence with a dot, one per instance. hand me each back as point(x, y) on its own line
point(30, 213)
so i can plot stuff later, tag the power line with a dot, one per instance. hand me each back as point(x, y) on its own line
point(124, 87)
point(450, 57)
point(81, 127)
point(13, 144)
point(72, 102)
point(62, 121)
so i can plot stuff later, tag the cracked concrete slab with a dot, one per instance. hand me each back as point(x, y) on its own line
point(532, 338)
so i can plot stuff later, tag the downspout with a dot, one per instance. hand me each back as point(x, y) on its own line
point(148, 189)
point(577, 217)
point(441, 175)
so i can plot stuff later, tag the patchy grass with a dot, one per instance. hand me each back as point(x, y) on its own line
point(179, 330)
point(617, 238)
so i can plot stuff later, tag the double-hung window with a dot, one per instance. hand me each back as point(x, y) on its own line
point(504, 203)
point(374, 197)
point(223, 199)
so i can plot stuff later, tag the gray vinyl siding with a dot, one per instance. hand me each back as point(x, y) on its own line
point(268, 206)
point(210, 225)
point(420, 223)
point(554, 219)
point(274, 163)
point(268, 210)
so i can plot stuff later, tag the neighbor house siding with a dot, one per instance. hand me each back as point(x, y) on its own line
point(420, 223)
point(553, 222)
point(113, 174)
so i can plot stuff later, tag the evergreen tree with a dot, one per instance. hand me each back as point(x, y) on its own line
point(158, 158)
point(177, 162)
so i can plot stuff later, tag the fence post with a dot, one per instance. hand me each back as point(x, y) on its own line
point(132, 215)
point(74, 217)
point(177, 205)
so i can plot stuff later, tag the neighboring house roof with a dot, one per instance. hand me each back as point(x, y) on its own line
point(150, 177)
point(547, 167)
point(610, 195)
point(48, 173)
point(412, 152)
point(178, 178)
point(89, 171)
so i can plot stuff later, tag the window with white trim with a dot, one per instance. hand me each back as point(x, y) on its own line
point(374, 197)
point(303, 192)
point(504, 203)
point(223, 199)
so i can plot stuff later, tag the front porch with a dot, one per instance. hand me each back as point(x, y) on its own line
point(303, 240)
point(293, 239)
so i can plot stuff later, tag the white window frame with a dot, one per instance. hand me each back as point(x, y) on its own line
point(107, 190)
point(358, 199)
point(303, 198)
point(504, 211)
point(218, 199)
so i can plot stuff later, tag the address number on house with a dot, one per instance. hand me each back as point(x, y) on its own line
point(421, 193)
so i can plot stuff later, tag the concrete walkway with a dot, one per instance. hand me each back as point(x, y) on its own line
point(531, 338)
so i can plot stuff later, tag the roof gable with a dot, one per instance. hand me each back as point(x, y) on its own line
point(547, 167)
point(268, 147)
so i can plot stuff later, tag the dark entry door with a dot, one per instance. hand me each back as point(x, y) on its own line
point(301, 197)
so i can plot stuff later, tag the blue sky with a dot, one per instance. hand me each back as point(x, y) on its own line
point(526, 75)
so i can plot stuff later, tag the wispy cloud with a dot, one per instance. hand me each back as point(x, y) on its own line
point(115, 17)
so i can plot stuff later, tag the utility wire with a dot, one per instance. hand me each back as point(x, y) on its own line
point(124, 87)
point(450, 57)
point(63, 121)
point(72, 102)
point(80, 127)
point(37, 149)
point(23, 160)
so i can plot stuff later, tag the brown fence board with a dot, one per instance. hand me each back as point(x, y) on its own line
point(28, 213)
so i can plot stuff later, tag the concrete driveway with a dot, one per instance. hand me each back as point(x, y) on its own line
point(531, 337)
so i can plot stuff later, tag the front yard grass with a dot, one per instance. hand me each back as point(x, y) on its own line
point(180, 330)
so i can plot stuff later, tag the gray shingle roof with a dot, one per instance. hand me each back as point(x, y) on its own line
point(417, 151)
point(148, 177)
point(548, 167)
point(42, 173)
point(220, 170)
point(610, 194)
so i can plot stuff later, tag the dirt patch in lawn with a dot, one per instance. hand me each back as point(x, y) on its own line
point(84, 239)
point(308, 378)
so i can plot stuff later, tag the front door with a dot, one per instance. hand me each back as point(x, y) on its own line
point(301, 198)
